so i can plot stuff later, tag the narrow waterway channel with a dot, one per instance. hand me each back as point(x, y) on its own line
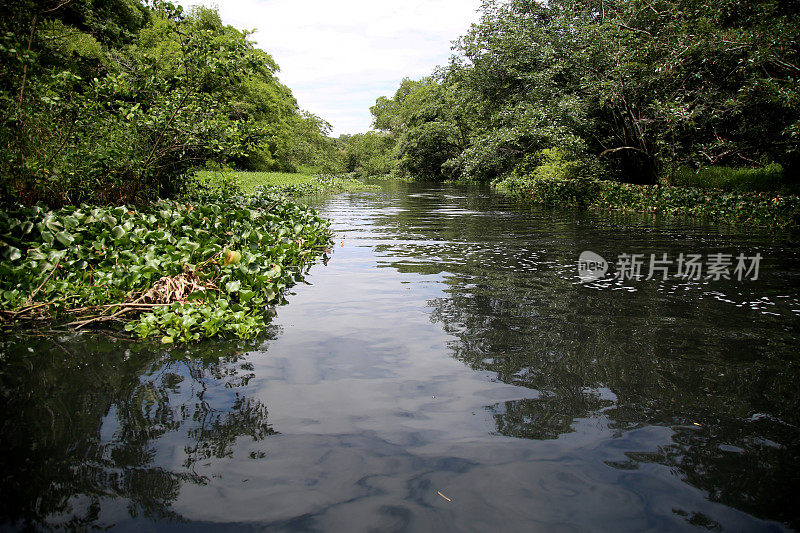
point(446, 370)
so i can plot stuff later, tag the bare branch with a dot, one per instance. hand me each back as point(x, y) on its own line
point(621, 25)
point(615, 150)
point(59, 6)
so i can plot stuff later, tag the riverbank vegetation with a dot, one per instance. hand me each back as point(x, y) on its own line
point(117, 101)
point(179, 271)
point(290, 184)
point(690, 94)
point(733, 196)
point(760, 208)
point(109, 109)
point(367, 154)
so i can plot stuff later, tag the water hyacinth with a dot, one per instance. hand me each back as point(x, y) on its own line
point(182, 271)
point(767, 209)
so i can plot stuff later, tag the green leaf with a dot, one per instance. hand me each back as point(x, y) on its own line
point(12, 253)
point(197, 295)
point(65, 238)
point(118, 232)
point(70, 222)
point(52, 224)
point(246, 295)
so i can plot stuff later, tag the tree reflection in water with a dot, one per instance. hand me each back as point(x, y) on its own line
point(82, 417)
point(728, 392)
point(695, 357)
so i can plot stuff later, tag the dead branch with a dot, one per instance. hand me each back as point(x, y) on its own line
point(615, 150)
point(621, 25)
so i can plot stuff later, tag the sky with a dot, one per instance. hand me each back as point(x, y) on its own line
point(339, 56)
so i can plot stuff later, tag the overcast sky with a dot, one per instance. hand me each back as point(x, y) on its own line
point(338, 56)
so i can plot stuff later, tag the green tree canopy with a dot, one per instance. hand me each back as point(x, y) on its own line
point(117, 101)
point(637, 86)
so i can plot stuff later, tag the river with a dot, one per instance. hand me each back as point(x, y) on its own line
point(446, 370)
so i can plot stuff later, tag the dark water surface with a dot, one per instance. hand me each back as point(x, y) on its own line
point(445, 371)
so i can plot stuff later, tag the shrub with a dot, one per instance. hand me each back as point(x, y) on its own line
point(209, 185)
point(758, 208)
point(550, 163)
point(553, 183)
point(549, 177)
point(554, 192)
point(767, 178)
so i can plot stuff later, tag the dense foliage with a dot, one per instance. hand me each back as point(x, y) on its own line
point(183, 271)
point(767, 178)
point(634, 89)
point(114, 101)
point(211, 184)
point(367, 154)
point(761, 208)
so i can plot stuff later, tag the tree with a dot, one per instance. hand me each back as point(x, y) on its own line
point(641, 87)
point(424, 123)
point(369, 154)
point(114, 101)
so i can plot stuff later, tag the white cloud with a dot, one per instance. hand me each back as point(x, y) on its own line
point(338, 57)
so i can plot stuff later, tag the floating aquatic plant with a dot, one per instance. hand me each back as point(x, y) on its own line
point(182, 271)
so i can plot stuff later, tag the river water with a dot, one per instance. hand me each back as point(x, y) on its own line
point(447, 370)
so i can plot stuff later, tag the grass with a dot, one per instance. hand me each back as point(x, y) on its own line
point(768, 178)
point(296, 184)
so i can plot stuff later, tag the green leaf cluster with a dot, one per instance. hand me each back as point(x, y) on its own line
point(767, 209)
point(635, 89)
point(115, 101)
point(245, 252)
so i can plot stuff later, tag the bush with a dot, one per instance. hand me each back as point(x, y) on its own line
point(549, 177)
point(549, 163)
point(758, 208)
point(211, 184)
point(767, 178)
point(553, 192)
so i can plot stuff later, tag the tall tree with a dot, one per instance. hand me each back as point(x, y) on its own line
point(639, 86)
